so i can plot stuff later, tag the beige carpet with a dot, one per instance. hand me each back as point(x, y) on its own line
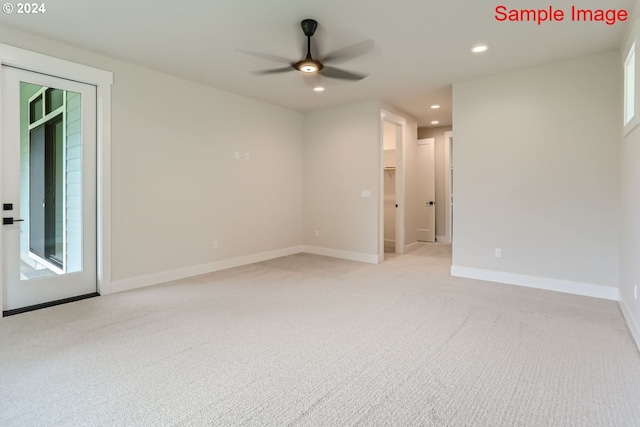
point(308, 340)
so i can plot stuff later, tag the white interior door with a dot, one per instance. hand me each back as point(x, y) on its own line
point(48, 189)
point(426, 190)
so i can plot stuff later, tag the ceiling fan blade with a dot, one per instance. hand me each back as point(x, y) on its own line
point(349, 52)
point(274, 71)
point(336, 73)
point(266, 56)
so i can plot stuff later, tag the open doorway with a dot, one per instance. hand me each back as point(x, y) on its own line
point(392, 188)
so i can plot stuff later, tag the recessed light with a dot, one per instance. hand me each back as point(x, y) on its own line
point(318, 89)
point(435, 122)
point(479, 48)
point(435, 106)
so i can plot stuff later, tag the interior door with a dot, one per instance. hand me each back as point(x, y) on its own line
point(426, 190)
point(48, 189)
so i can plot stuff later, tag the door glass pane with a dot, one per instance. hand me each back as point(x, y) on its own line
point(50, 182)
point(54, 99)
point(35, 109)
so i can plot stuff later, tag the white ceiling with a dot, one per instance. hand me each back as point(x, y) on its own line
point(421, 46)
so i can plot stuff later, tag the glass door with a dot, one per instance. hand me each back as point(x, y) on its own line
point(48, 190)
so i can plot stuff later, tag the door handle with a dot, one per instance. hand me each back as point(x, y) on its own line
point(9, 221)
point(431, 203)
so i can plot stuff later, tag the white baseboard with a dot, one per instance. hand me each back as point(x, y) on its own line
point(388, 243)
point(632, 322)
point(335, 253)
point(411, 247)
point(196, 270)
point(443, 239)
point(558, 285)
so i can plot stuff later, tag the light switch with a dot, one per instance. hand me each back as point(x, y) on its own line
point(366, 194)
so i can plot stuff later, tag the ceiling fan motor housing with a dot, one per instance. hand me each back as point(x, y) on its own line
point(309, 26)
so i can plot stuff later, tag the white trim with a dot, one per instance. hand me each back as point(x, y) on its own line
point(401, 201)
point(634, 120)
point(336, 253)
point(103, 80)
point(558, 285)
point(103, 265)
point(392, 118)
point(388, 243)
point(442, 239)
point(448, 191)
point(44, 64)
point(196, 270)
point(381, 189)
point(411, 247)
point(632, 322)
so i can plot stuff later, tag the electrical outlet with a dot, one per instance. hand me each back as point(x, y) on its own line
point(317, 234)
point(215, 244)
point(498, 253)
point(635, 292)
point(237, 155)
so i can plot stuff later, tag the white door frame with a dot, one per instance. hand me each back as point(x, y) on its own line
point(401, 124)
point(103, 81)
point(448, 186)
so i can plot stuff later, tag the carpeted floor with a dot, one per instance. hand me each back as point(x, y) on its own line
point(314, 341)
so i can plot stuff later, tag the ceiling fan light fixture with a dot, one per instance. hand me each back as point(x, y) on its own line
point(308, 66)
point(318, 89)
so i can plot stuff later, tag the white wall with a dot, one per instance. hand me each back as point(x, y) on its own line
point(630, 221)
point(442, 198)
point(175, 183)
point(342, 158)
point(174, 171)
point(536, 174)
point(389, 138)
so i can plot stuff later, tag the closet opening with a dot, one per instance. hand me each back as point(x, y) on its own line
point(392, 210)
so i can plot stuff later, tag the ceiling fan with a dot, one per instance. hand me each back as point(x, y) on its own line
point(311, 68)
